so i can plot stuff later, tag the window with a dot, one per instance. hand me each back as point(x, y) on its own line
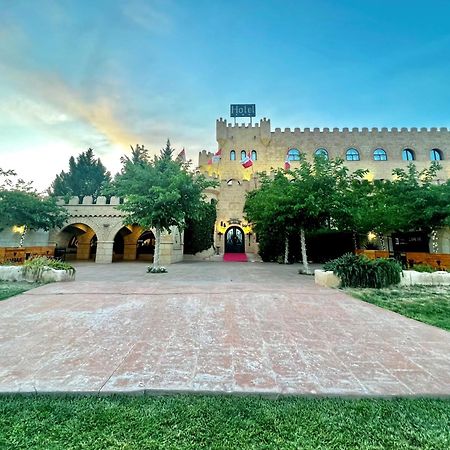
point(322, 153)
point(293, 154)
point(408, 155)
point(254, 155)
point(243, 155)
point(379, 155)
point(436, 155)
point(232, 155)
point(352, 155)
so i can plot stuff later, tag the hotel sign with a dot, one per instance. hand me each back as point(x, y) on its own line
point(243, 110)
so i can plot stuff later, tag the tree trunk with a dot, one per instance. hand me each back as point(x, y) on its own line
point(286, 249)
point(355, 241)
point(22, 236)
point(156, 256)
point(304, 255)
point(381, 240)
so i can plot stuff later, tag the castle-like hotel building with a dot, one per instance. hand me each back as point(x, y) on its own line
point(377, 150)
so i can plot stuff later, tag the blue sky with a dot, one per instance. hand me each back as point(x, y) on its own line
point(108, 73)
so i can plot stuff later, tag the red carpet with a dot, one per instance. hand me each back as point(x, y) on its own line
point(235, 257)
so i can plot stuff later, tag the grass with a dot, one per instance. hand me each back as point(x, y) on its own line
point(11, 288)
point(222, 422)
point(429, 304)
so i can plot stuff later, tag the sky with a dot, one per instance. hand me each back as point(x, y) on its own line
point(108, 74)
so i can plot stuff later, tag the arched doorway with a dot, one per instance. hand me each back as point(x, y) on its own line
point(234, 240)
point(145, 246)
point(78, 241)
point(121, 241)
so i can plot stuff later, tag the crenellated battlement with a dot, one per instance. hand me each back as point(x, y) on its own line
point(363, 131)
point(88, 200)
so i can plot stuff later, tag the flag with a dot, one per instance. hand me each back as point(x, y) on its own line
point(181, 156)
point(287, 164)
point(217, 156)
point(247, 161)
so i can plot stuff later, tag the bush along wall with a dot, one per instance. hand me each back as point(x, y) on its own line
point(361, 272)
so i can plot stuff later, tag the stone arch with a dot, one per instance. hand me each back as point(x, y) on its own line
point(78, 239)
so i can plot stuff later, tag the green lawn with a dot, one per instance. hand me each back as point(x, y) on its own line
point(11, 288)
point(429, 304)
point(222, 422)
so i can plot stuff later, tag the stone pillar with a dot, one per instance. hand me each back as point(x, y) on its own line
point(129, 252)
point(83, 250)
point(104, 252)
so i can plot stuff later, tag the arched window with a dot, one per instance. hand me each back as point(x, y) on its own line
point(243, 155)
point(352, 155)
point(254, 155)
point(379, 155)
point(232, 155)
point(436, 155)
point(294, 154)
point(408, 155)
point(322, 153)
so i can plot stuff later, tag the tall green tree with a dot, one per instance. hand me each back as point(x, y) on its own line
point(86, 176)
point(291, 203)
point(159, 193)
point(22, 206)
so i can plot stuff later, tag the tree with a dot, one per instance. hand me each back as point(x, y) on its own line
point(160, 193)
point(86, 176)
point(305, 199)
point(24, 207)
point(199, 231)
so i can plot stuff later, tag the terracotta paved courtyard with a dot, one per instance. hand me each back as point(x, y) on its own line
point(213, 327)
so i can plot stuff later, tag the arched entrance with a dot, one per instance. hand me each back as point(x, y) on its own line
point(145, 246)
point(78, 241)
point(234, 240)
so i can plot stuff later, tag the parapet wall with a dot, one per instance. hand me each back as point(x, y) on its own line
point(89, 200)
point(227, 130)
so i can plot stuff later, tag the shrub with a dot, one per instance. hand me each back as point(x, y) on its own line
point(359, 271)
point(39, 264)
point(161, 269)
point(423, 268)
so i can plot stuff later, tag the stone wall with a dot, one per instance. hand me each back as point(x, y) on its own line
point(272, 146)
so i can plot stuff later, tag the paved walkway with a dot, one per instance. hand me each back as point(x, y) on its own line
point(213, 327)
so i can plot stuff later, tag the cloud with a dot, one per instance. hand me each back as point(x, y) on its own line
point(46, 98)
point(150, 15)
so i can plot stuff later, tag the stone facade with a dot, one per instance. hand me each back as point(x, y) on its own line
point(104, 223)
point(270, 147)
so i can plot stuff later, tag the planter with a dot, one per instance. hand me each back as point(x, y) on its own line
point(409, 278)
point(326, 278)
point(46, 275)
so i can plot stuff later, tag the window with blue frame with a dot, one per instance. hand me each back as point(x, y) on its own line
point(436, 155)
point(408, 155)
point(380, 155)
point(232, 155)
point(294, 154)
point(322, 152)
point(352, 154)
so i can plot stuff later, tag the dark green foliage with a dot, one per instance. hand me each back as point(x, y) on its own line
point(40, 262)
point(86, 176)
point(160, 192)
point(199, 232)
point(222, 422)
point(29, 209)
point(21, 205)
point(423, 268)
point(428, 304)
point(359, 271)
